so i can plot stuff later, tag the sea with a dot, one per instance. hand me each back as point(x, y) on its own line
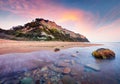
point(109, 70)
point(98, 72)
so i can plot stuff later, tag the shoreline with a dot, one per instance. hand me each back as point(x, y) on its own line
point(75, 64)
point(11, 46)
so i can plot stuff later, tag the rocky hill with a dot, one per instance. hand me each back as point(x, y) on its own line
point(41, 30)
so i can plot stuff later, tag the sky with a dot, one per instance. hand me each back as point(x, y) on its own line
point(98, 20)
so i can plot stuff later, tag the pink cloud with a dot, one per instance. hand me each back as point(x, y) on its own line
point(49, 10)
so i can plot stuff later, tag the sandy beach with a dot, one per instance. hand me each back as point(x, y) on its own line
point(11, 46)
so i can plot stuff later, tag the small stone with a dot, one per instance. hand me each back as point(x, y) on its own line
point(45, 68)
point(49, 82)
point(56, 69)
point(27, 74)
point(93, 66)
point(62, 64)
point(45, 75)
point(27, 80)
point(42, 80)
point(56, 49)
point(52, 67)
point(74, 55)
point(66, 70)
point(74, 73)
point(72, 62)
point(77, 51)
point(67, 61)
point(68, 80)
point(37, 82)
point(60, 82)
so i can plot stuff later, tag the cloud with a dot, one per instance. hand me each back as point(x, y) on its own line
point(47, 10)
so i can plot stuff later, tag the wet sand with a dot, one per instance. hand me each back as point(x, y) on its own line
point(11, 46)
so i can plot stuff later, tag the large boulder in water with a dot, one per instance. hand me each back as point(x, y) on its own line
point(103, 53)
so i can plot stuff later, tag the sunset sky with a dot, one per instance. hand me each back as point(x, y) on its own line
point(98, 20)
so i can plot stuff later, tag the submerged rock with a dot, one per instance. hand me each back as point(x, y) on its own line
point(68, 80)
point(66, 70)
point(27, 80)
point(103, 53)
point(93, 67)
point(74, 55)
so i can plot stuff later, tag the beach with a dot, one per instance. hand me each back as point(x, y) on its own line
point(12, 46)
point(73, 64)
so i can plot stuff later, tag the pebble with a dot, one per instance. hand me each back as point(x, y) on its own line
point(42, 80)
point(67, 61)
point(66, 70)
point(49, 82)
point(68, 80)
point(72, 62)
point(45, 68)
point(27, 80)
point(77, 51)
point(62, 64)
point(54, 68)
point(74, 55)
point(56, 49)
point(27, 74)
point(93, 66)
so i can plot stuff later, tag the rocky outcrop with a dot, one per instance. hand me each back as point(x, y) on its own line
point(41, 29)
point(103, 53)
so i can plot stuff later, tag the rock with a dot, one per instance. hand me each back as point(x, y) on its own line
point(77, 51)
point(93, 66)
point(49, 82)
point(67, 61)
point(27, 74)
point(42, 80)
point(27, 80)
point(44, 68)
point(56, 49)
point(56, 69)
point(66, 70)
point(62, 64)
point(103, 53)
point(74, 55)
point(60, 82)
point(68, 80)
point(45, 75)
point(72, 62)
point(37, 82)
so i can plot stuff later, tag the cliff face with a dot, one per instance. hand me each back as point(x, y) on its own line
point(41, 29)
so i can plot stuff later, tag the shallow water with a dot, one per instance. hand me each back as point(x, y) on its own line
point(109, 69)
point(108, 73)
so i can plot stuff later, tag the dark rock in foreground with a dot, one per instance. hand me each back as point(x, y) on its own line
point(103, 53)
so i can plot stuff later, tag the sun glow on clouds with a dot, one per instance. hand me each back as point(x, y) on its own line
point(77, 20)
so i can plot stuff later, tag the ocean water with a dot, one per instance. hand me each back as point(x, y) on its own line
point(108, 73)
point(109, 69)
